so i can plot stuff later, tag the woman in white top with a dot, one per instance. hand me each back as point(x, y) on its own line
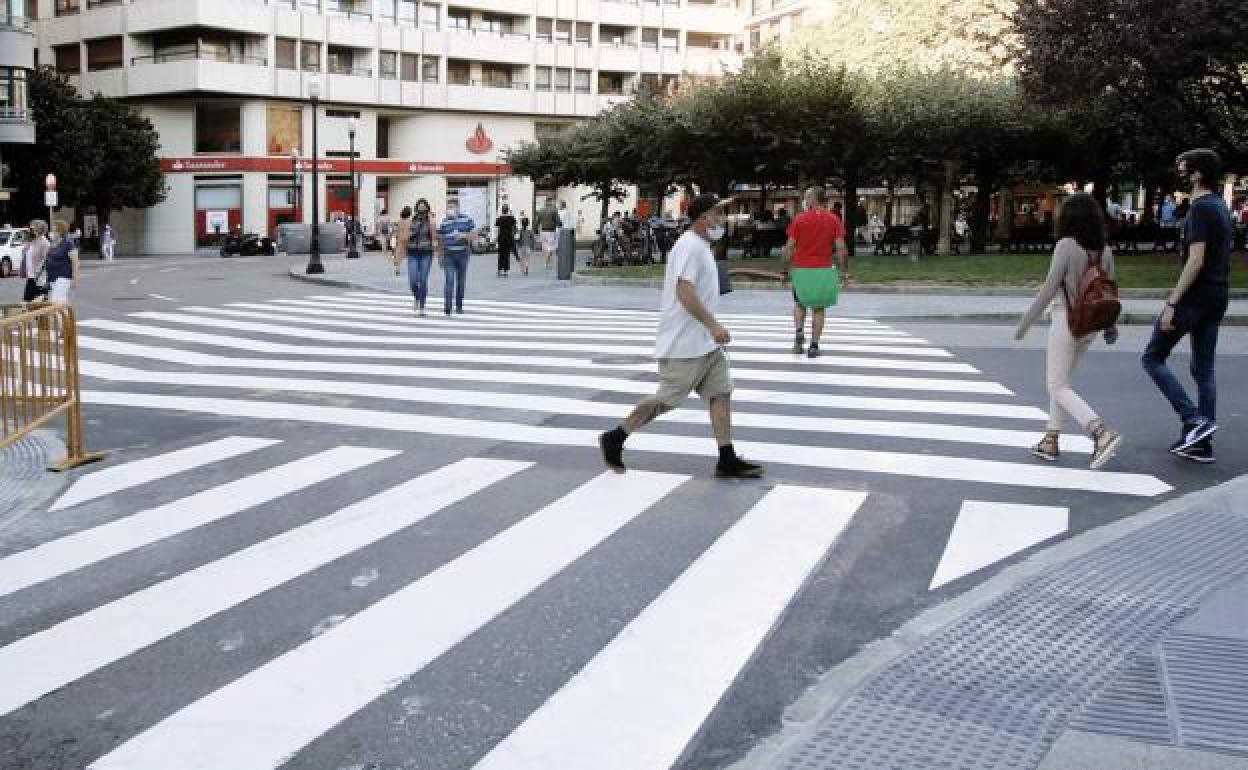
point(1081, 241)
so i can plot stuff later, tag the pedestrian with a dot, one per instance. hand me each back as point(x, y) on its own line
point(506, 224)
point(419, 246)
point(1196, 306)
point(524, 242)
point(455, 235)
point(108, 243)
point(548, 230)
point(567, 221)
point(34, 255)
point(689, 345)
point(61, 263)
point(1082, 234)
point(813, 238)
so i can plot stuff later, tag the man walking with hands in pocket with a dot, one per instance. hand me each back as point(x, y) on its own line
point(689, 345)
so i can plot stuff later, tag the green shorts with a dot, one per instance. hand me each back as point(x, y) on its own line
point(709, 376)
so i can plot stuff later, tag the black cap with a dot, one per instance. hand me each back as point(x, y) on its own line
point(702, 204)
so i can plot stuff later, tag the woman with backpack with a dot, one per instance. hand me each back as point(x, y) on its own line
point(1081, 260)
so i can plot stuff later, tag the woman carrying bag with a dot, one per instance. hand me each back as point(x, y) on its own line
point(61, 263)
point(1081, 246)
point(34, 260)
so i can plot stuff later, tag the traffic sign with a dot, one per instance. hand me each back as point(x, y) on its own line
point(50, 199)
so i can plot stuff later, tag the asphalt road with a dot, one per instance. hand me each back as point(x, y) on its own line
point(366, 540)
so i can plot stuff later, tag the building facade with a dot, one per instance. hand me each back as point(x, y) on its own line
point(438, 89)
point(17, 59)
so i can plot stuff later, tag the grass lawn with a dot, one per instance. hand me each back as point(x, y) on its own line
point(1140, 271)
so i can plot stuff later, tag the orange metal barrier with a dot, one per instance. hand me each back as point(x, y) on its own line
point(39, 377)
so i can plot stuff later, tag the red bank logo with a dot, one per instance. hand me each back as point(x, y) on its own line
point(480, 142)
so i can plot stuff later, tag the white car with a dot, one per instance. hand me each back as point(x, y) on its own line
point(12, 241)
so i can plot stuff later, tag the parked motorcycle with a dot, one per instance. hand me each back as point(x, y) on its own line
point(247, 245)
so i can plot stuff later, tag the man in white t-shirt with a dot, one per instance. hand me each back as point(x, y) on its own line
point(689, 344)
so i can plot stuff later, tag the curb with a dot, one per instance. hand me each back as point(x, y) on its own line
point(802, 718)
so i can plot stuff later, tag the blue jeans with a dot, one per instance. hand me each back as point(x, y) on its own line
point(1202, 324)
point(455, 268)
point(418, 264)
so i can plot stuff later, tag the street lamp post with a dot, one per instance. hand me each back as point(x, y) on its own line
point(315, 267)
point(352, 251)
point(295, 181)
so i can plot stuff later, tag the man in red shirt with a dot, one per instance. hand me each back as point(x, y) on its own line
point(814, 236)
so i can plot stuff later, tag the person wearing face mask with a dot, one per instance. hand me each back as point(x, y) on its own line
point(455, 233)
point(1196, 306)
point(813, 237)
point(689, 344)
point(418, 241)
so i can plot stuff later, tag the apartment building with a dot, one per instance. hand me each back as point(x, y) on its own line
point(771, 20)
point(17, 58)
point(436, 88)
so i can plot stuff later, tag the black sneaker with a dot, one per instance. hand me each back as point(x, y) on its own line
point(813, 352)
point(799, 344)
point(1195, 432)
point(1201, 452)
point(612, 450)
point(738, 468)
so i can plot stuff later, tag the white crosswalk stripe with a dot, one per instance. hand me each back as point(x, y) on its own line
point(650, 683)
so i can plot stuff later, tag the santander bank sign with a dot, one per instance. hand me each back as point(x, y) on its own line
point(479, 143)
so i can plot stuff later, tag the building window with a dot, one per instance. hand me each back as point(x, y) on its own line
point(285, 53)
point(429, 69)
point(542, 75)
point(458, 19)
point(67, 7)
point(492, 23)
point(104, 54)
point(650, 38)
point(310, 56)
point(218, 128)
point(671, 39)
point(496, 75)
point(68, 58)
point(581, 81)
point(411, 64)
point(563, 79)
point(563, 32)
point(429, 13)
point(611, 83)
point(584, 33)
point(341, 61)
point(343, 114)
point(383, 136)
point(545, 29)
point(285, 129)
point(387, 9)
point(407, 12)
point(12, 92)
point(458, 73)
point(388, 63)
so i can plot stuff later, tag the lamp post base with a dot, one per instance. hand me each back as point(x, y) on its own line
point(315, 267)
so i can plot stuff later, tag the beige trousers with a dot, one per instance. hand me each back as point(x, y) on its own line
point(1063, 355)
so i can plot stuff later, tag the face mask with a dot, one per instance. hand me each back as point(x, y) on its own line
point(715, 232)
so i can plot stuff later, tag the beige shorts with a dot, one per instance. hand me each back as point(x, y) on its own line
point(709, 376)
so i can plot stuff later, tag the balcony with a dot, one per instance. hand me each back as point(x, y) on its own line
point(200, 54)
point(16, 127)
point(184, 71)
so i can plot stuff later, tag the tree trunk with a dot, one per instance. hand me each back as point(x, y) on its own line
point(888, 203)
point(605, 194)
point(944, 246)
point(851, 210)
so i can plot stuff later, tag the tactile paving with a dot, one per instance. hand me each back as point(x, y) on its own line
point(996, 689)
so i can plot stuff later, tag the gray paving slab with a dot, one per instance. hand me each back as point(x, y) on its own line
point(1084, 751)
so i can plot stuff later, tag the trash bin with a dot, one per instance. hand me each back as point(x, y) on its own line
point(566, 254)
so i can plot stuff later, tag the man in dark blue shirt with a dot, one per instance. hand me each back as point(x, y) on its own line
point(1196, 306)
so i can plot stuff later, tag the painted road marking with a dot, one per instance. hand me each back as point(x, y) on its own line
point(489, 400)
point(931, 466)
point(72, 552)
point(260, 720)
point(642, 699)
point(119, 477)
point(38, 664)
point(985, 533)
point(608, 384)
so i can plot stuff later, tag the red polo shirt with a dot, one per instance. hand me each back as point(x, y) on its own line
point(816, 232)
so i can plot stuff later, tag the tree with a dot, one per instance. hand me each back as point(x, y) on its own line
point(103, 152)
point(1180, 68)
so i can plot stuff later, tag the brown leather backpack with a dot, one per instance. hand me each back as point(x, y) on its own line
point(1096, 306)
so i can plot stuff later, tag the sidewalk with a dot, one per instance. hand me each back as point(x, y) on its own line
point(1122, 649)
point(374, 272)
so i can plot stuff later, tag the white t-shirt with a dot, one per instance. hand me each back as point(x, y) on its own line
point(680, 335)
point(565, 219)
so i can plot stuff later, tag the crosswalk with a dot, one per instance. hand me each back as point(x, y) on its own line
point(514, 381)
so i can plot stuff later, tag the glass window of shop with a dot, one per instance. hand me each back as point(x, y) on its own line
point(284, 202)
point(218, 128)
point(285, 53)
point(285, 129)
point(104, 54)
point(68, 58)
point(12, 91)
point(218, 208)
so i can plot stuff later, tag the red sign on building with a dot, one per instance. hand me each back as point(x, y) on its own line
point(328, 165)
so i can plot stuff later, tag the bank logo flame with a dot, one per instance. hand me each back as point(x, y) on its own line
point(480, 142)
